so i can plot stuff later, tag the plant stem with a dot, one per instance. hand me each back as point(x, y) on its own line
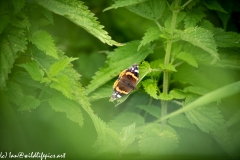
point(166, 73)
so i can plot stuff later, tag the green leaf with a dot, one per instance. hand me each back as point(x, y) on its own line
point(154, 69)
point(158, 140)
point(229, 57)
point(209, 119)
point(206, 24)
point(123, 3)
point(44, 42)
point(33, 70)
point(48, 15)
point(21, 21)
point(24, 78)
point(71, 108)
point(187, 58)
point(192, 4)
point(165, 97)
point(234, 119)
point(181, 121)
point(193, 17)
point(5, 20)
point(125, 119)
point(196, 90)
point(63, 85)
point(168, 22)
point(225, 17)
point(214, 5)
point(18, 5)
point(151, 109)
point(14, 93)
point(168, 67)
point(120, 59)
point(79, 14)
point(152, 9)
point(226, 39)
point(28, 103)
point(178, 94)
point(153, 33)
point(212, 96)
point(150, 86)
point(127, 135)
point(13, 42)
point(201, 38)
point(102, 92)
point(60, 65)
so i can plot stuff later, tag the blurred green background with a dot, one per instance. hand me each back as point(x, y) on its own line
point(44, 130)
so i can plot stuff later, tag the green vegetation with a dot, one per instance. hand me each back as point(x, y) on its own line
point(58, 63)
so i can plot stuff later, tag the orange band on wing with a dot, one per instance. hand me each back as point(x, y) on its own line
point(120, 91)
point(131, 74)
point(115, 83)
point(122, 73)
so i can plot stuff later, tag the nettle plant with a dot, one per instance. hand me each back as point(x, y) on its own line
point(178, 96)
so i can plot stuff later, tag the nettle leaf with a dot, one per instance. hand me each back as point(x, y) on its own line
point(155, 68)
point(13, 42)
point(14, 93)
point(151, 109)
point(166, 97)
point(123, 3)
point(187, 58)
point(158, 140)
point(206, 24)
point(21, 21)
point(209, 119)
point(120, 59)
point(48, 15)
point(63, 84)
point(25, 79)
point(79, 14)
point(201, 38)
point(44, 42)
point(61, 104)
point(212, 96)
point(229, 57)
point(153, 33)
point(18, 5)
point(28, 103)
point(181, 121)
point(196, 89)
point(168, 67)
point(5, 20)
point(192, 4)
point(60, 65)
point(127, 135)
point(125, 119)
point(193, 17)
point(226, 39)
point(214, 5)
point(168, 22)
point(33, 69)
point(233, 119)
point(102, 92)
point(176, 48)
point(150, 86)
point(152, 10)
point(178, 94)
point(225, 17)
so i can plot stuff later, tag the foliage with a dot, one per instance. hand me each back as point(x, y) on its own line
point(55, 86)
